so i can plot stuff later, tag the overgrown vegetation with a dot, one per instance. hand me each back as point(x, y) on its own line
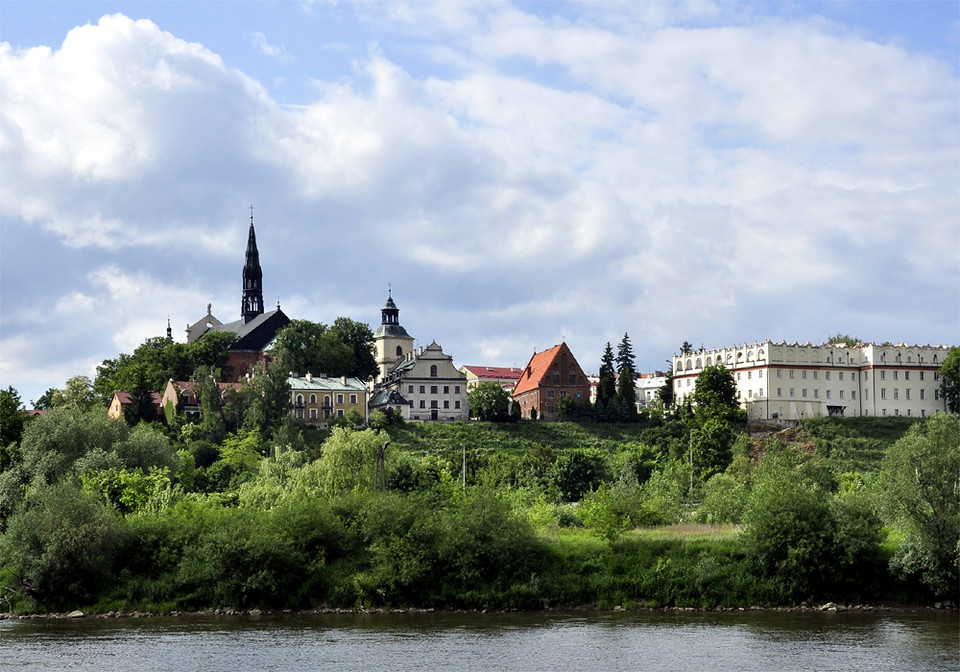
point(679, 510)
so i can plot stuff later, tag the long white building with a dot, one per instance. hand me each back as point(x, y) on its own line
point(794, 381)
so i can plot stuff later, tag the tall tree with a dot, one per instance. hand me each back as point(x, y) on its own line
point(141, 405)
point(844, 339)
point(359, 337)
point(12, 419)
point(665, 393)
point(686, 348)
point(950, 380)
point(626, 370)
point(76, 395)
point(488, 401)
point(607, 384)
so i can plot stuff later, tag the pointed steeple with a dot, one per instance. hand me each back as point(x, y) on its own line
point(252, 304)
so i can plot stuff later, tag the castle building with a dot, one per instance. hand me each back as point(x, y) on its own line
point(793, 381)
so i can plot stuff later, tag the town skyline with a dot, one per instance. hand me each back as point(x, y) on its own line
point(519, 175)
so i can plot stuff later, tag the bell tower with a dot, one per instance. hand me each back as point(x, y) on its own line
point(252, 303)
point(390, 340)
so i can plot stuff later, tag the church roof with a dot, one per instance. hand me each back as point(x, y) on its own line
point(256, 334)
point(537, 368)
point(391, 331)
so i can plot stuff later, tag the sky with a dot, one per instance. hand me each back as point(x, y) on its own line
point(516, 174)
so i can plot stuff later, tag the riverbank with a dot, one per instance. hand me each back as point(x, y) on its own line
point(827, 607)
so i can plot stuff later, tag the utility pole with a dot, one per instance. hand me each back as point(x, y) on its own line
point(463, 469)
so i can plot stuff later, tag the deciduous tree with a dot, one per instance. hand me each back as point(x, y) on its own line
point(950, 380)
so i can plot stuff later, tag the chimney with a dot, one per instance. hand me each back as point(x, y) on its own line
point(309, 377)
point(343, 379)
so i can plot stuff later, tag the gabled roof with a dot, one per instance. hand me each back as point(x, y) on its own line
point(256, 334)
point(494, 372)
point(327, 384)
point(537, 368)
point(124, 397)
point(389, 396)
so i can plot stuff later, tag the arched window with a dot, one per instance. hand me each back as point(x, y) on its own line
point(313, 398)
point(299, 400)
point(709, 361)
point(689, 364)
point(699, 363)
point(433, 370)
point(399, 351)
point(326, 400)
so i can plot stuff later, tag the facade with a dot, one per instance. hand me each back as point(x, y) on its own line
point(255, 329)
point(646, 386)
point(120, 400)
point(428, 381)
point(504, 376)
point(391, 342)
point(547, 377)
point(317, 400)
point(181, 396)
point(793, 381)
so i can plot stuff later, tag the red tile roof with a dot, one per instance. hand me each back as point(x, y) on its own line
point(536, 368)
point(494, 372)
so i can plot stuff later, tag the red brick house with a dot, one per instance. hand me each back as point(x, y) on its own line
point(549, 376)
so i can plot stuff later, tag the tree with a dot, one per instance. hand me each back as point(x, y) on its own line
point(359, 338)
point(920, 480)
point(12, 419)
point(606, 385)
point(950, 380)
point(77, 395)
point(141, 406)
point(626, 370)
point(666, 393)
point(488, 401)
point(715, 396)
point(843, 339)
point(712, 447)
point(267, 393)
point(686, 348)
point(348, 460)
point(45, 401)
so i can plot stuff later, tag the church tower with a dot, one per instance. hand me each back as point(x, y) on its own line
point(390, 340)
point(252, 304)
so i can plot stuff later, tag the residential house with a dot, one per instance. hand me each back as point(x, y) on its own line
point(504, 376)
point(317, 400)
point(121, 400)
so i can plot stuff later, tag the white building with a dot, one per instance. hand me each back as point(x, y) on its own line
point(426, 385)
point(793, 381)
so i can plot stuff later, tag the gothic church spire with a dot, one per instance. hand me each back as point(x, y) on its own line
point(252, 304)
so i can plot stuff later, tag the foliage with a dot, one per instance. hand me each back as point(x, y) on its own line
point(77, 395)
point(724, 500)
point(343, 349)
point(488, 401)
point(578, 472)
point(266, 394)
point(844, 339)
point(12, 420)
point(921, 483)
point(665, 393)
point(712, 444)
point(715, 396)
point(626, 372)
point(141, 406)
point(128, 490)
point(606, 384)
point(348, 460)
point(61, 548)
point(950, 379)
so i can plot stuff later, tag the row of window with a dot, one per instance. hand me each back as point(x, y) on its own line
point(434, 389)
point(853, 393)
point(434, 403)
point(326, 399)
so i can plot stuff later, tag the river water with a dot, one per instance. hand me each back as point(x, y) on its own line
point(581, 641)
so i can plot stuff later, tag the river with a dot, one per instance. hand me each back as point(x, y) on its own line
point(581, 641)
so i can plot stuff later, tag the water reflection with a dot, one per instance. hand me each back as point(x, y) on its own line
point(552, 641)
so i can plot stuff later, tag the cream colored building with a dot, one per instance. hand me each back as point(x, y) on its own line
point(794, 381)
point(316, 401)
point(391, 342)
point(428, 381)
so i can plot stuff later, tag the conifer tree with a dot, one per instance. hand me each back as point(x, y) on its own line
point(606, 385)
point(626, 369)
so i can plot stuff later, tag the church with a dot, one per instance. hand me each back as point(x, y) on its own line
point(255, 329)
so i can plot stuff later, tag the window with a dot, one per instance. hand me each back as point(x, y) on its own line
point(792, 372)
point(908, 394)
point(313, 398)
point(433, 389)
point(779, 373)
point(313, 414)
point(339, 412)
point(423, 404)
point(866, 375)
point(556, 379)
point(906, 375)
point(760, 373)
point(299, 400)
point(326, 400)
point(300, 413)
point(804, 393)
point(853, 394)
point(750, 394)
point(896, 375)
point(353, 398)
point(739, 373)
point(827, 375)
point(936, 395)
point(921, 375)
point(816, 394)
point(446, 389)
point(884, 411)
point(749, 375)
point(573, 377)
point(921, 393)
point(456, 404)
point(866, 395)
point(792, 392)
point(433, 370)
point(803, 374)
point(779, 391)
point(883, 375)
point(446, 403)
point(549, 394)
point(841, 394)
point(423, 389)
point(456, 389)
point(841, 375)
point(816, 375)
point(828, 394)
point(339, 398)
point(399, 351)
point(883, 393)
point(896, 393)
point(433, 404)
point(410, 389)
